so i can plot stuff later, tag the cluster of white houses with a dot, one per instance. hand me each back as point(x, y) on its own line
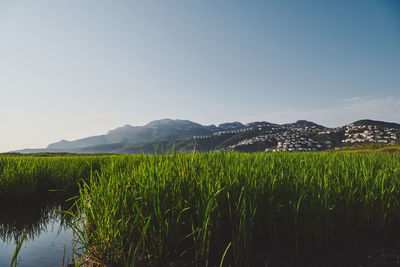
point(301, 144)
point(298, 139)
point(330, 130)
point(223, 132)
point(363, 134)
point(251, 141)
point(308, 138)
point(287, 138)
point(243, 130)
point(201, 137)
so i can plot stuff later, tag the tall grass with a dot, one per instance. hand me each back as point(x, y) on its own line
point(31, 176)
point(194, 209)
point(206, 209)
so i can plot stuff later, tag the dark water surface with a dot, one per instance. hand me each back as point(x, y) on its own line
point(48, 240)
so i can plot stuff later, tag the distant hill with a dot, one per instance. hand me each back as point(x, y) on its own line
point(184, 135)
point(231, 126)
point(84, 142)
point(302, 123)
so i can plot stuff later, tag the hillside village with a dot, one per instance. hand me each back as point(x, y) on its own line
point(297, 137)
point(219, 133)
point(370, 134)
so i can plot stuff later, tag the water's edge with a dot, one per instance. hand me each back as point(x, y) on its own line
point(49, 239)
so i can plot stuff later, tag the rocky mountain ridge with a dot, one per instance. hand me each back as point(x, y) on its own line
point(186, 135)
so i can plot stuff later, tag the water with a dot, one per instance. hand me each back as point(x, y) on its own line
point(49, 239)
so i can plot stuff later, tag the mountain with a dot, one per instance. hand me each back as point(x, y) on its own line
point(84, 142)
point(155, 131)
point(184, 135)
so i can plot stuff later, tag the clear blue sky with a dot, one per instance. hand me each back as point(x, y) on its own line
point(70, 69)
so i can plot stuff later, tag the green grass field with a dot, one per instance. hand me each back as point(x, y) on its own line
point(211, 209)
point(373, 149)
point(22, 177)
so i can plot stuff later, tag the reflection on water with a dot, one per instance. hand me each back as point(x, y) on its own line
point(49, 239)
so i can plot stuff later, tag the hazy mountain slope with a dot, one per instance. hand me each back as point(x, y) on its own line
point(146, 148)
point(230, 126)
point(183, 135)
point(157, 131)
point(84, 142)
point(104, 148)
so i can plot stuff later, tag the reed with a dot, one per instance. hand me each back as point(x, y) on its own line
point(32, 176)
point(209, 209)
point(193, 208)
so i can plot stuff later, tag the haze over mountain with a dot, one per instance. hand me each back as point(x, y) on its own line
point(155, 131)
point(254, 136)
